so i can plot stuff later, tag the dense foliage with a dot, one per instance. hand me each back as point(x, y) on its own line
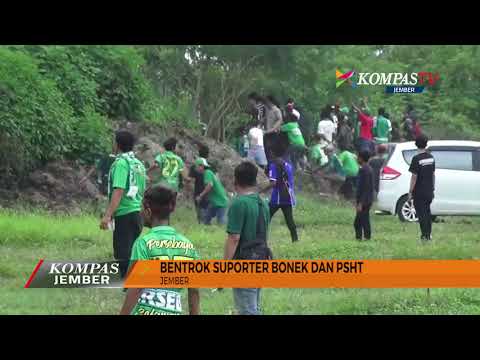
point(62, 101)
point(449, 109)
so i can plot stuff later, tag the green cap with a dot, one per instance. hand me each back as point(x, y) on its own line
point(345, 109)
point(201, 162)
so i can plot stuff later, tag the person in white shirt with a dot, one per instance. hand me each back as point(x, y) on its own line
point(326, 127)
point(256, 151)
point(296, 114)
point(333, 115)
point(291, 106)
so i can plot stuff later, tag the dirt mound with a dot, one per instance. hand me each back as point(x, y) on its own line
point(223, 157)
point(55, 187)
point(325, 185)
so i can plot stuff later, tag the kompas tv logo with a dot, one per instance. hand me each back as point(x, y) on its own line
point(344, 77)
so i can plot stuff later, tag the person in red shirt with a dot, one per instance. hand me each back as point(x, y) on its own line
point(418, 128)
point(365, 141)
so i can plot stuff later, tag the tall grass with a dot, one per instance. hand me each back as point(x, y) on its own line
point(325, 230)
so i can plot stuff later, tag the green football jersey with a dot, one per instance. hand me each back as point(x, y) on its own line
point(162, 243)
point(171, 166)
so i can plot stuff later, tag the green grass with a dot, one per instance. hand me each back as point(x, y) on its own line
point(326, 232)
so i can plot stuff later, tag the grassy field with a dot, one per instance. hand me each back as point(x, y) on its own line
point(326, 232)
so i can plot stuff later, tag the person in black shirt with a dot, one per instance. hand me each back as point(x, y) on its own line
point(364, 197)
point(199, 186)
point(102, 168)
point(422, 186)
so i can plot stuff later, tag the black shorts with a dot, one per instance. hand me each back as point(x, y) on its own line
point(127, 229)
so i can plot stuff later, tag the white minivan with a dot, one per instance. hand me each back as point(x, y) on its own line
point(457, 179)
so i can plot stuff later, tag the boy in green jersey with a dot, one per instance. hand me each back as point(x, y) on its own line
point(334, 167)
point(126, 185)
point(296, 148)
point(383, 128)
point(171, 166)
point(217, 196)
point(162, 242)
point(349, 163)
point(318, 157)
point(247, 233)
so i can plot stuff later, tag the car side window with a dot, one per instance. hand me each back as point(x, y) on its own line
point(476, 160)
point(453, 160)
point(408, 155)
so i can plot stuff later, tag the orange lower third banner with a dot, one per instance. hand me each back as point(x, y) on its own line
point(304, 274)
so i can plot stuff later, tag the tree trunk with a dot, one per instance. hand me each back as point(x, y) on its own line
point(196, 96)
point(222, 130)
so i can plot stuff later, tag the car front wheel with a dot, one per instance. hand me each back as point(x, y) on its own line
point(406, 210)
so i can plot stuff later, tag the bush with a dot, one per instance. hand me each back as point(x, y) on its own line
point(166, 111)
point(444, 126)
point(57, 101)
point(33, 113)
point(13, 159)
point(122, 88)
point(92, 137)
point(73, 72)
